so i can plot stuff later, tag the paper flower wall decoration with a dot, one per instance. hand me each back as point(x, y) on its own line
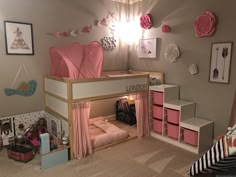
point(165, 28)
point(205, 24)
point(193, 69)
point(108, 43)
point(172, 53)
point(146, 21)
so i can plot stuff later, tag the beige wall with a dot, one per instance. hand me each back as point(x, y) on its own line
point(49, 16)
point(214, 101)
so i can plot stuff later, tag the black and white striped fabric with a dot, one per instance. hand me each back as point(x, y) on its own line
point(220, 158)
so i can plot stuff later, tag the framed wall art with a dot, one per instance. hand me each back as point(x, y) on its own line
point(147, 48)
point(220, 62)
point(19, 38)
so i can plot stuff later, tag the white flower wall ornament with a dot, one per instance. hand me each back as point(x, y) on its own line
point(108, 43)
point(172, 53)
point(193, 69)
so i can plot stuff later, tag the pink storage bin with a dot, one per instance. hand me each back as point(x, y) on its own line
point(157, 112)
point(173, 131)
point(190, 137)
point(157, 98)
point(157, 125)
point(172, 116)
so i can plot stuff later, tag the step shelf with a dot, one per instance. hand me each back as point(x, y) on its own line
point(177, 104)
point(194, 123)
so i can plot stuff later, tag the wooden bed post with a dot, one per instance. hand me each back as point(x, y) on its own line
point(70, 114)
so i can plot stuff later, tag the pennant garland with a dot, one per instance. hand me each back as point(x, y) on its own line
point(87, 29)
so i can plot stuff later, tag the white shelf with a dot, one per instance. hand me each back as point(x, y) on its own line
point(195, 123)
point(161, 88)
point(187, 119)
point(177, 104)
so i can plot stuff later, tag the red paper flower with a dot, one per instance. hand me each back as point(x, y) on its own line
point(165, 28)
point(205, 24)
point(65, 34)
point(146, 21)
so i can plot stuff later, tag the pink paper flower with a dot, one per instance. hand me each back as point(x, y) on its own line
point(146, 21)
point(87, 29)
point(205, 24)
point(57, 34)
point(165, 28)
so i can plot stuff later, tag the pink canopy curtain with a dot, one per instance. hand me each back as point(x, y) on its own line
point(141, 107)
point(81, 142)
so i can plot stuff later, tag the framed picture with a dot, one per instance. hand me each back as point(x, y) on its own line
point(19, 38)
point(147, 48)
point(220, 62)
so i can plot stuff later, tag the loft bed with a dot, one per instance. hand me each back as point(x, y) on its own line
point(62, 93)
point(76, 79)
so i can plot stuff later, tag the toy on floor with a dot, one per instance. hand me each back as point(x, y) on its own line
point(33, 132)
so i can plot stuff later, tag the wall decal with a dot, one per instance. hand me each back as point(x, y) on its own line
point(205, 24)
point(146, 21)
point(19, 38)
point(108, 43)
point(220, 62)
point(172, 53)
point(25, 88)
point(86, 29)
point(147, 48)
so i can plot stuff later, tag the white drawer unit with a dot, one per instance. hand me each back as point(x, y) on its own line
point(174, 121)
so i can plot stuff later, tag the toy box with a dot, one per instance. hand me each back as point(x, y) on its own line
point(20, 153)
point(157, 98)
point(190, 137)
point(157, 125)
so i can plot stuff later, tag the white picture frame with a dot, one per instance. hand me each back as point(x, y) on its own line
point(18, 38)
point(147, 48)
point(221, 53)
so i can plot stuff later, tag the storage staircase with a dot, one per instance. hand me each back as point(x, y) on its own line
point(173, 120)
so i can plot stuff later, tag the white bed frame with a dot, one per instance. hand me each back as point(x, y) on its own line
point(61, 93)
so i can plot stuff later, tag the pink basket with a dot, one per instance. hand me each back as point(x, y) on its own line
point(190, 137)
point(157, 125)
point(173, 116)
point(157, 112)
point(173, 131)
point(157, 98)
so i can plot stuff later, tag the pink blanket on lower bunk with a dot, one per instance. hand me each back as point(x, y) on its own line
point(104, 133)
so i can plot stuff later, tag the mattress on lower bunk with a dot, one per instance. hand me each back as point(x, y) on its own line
point(104, 133)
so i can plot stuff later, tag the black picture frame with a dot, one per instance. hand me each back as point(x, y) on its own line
point(221, 54)
point(19, 38)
